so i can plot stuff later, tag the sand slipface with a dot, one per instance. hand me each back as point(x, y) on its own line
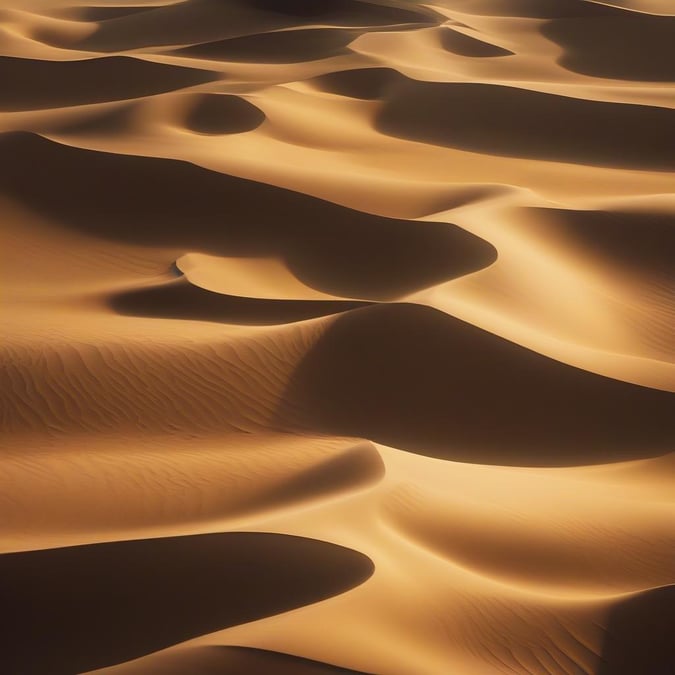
point(337, 337)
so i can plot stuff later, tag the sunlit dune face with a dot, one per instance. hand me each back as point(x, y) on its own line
point(337, 337)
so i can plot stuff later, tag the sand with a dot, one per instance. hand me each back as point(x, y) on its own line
point(337, 337)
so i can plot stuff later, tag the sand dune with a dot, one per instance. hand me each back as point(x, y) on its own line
point(629, 47)
point(97, 605)
point(218, 660)
point(465, 45)
point(193, 21)
point(182, 300)
point(183, 205)
point(415, 378)
point(288, 46)
point(40, 84)
point(337, 337)
point(530, 124)
point(223, 115)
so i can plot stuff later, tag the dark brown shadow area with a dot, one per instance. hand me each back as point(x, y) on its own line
point(159, 202)
point(639, 635)
point(534, 9)
point(290, 46)
point(223, 114)
point(71, 610)
point(46, 84)
point(640, 242)
point(516, 122)
point(465, 45)
point(225, 660)
point(364, 83)
point(196, 21)
point(106, 13)
point(417, 379)
point(360, 12)
point(182, 300)
point(631, 46)
point(217, 660)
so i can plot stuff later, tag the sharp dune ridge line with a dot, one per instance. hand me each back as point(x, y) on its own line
point(337, 337)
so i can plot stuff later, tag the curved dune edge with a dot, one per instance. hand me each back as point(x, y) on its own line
point(415, 378)
point(219, 660)
point(371, 294)
point(205, 582)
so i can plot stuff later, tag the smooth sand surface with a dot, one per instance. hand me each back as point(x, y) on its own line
point(337, 337)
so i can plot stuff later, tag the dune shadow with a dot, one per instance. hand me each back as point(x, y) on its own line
point(465, 45)
point(639, 241)
point(230, 660)
point(223, 114)
point(98, 13)
point(182, 300)
point(290, 46)
point(534, 9)
point(417, 379)
point(639, 635)
point(514, 122)
point(195, 21)
point(45, 84)
point(168, 203)
point(364, 83)
point(75, 609)
point(630, 46)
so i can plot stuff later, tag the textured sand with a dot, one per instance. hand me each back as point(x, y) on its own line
point(337, 337)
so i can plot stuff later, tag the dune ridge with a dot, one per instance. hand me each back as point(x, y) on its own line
point(337, 337)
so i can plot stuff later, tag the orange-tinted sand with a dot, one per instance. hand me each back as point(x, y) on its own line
point(337, 337)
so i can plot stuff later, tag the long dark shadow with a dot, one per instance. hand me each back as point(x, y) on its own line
point(418, 379)
point(168, 203)
point(71, 610)
point(182, 300)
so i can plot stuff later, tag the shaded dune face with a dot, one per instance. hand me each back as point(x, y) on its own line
point(99, 13)
point(415, 378)
point(182, 300)
point(625, 47)
point(228, 661)
point(637, 242)
point(46, 84)
point(196, 21)
point(161, 202)
point(639, 634)
point(515, 122)
point(465, 45)
point(288, 46)
point(222, 114)
point(87, 607)
point(363, 83)
point(533, 9)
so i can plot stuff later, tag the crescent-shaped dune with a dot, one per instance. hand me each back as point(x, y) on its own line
point(336, 336)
